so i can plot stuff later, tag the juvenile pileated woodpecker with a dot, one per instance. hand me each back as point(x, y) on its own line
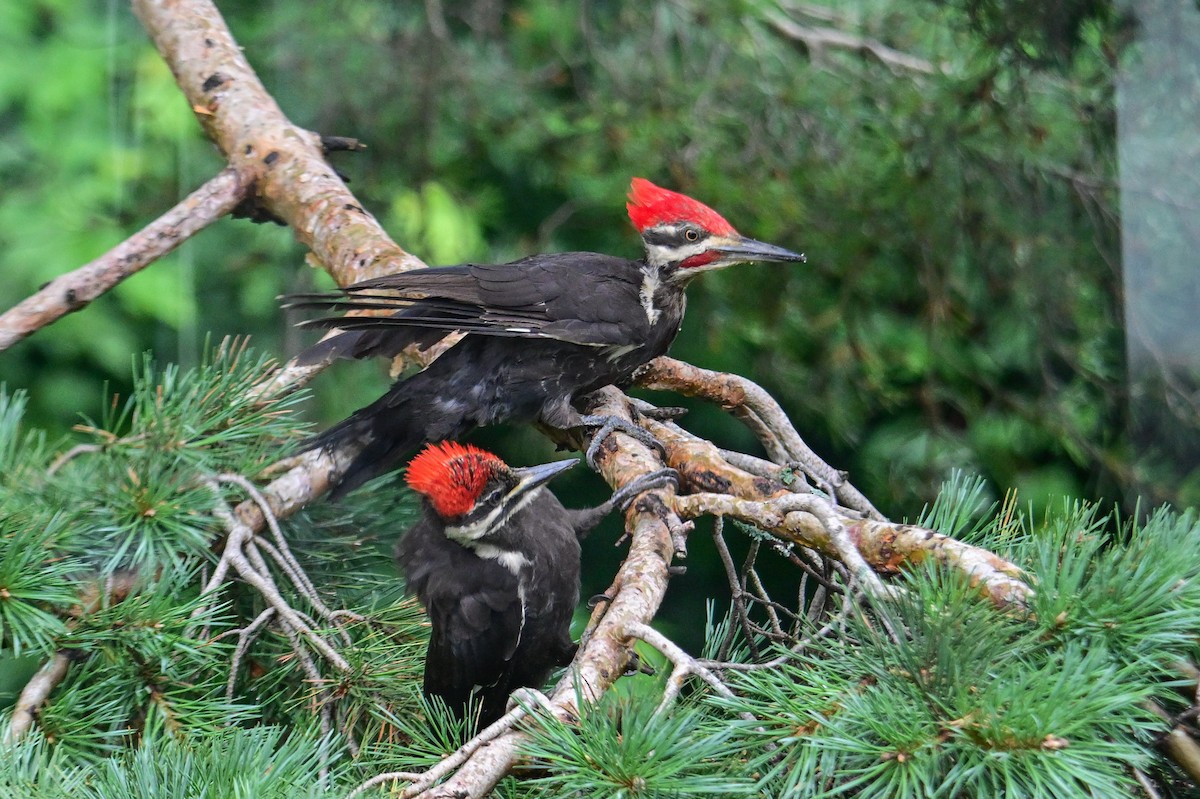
point(540, 331)
point(495, 562)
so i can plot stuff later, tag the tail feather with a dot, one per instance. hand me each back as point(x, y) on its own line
point(368, 343)
point(386, 431)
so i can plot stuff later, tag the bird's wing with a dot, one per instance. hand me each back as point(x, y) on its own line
point(582, 298)
point(474, 634)
point(474, 609)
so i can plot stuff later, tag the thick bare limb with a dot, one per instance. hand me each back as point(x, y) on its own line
point(286, 163)
point(74, 290)
point(34, 695)
point(883, 546)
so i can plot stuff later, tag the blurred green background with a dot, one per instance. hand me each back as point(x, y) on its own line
point(962, 303)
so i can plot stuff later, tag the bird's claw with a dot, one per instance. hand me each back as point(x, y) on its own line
point(607, 426)
point(636, 665)
point(626, 494)
point(597, 600)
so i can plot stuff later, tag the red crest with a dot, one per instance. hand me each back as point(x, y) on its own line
point(451, 475)
point(651, 205)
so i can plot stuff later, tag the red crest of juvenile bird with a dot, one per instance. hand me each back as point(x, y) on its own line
point(452, 475)
point(651, 205)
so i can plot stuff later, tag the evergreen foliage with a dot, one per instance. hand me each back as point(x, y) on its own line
point(959, 311)
point(960, 305)
point(935, 693)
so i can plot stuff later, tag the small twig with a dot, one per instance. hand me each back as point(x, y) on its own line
point(817, 38)
point(735, 587)
point(795, 648)
point(320, 698)
point(240, 535)
point(1147, 786)
point(246, 637)
point(74, 290)
point(684, 666)
point(283, 555)
point(70, 455)
point(379, 779)
point(34, 694)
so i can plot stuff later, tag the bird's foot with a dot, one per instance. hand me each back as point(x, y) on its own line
point(623, 497)
point(607, 426)
point(636, 665)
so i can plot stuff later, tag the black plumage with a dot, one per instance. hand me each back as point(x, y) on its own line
point(578, 324)
point(481, 638)
point(495, 562)
point(540, 331)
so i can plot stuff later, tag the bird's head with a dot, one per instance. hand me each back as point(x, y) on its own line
point(472, 489)
point(684, 237)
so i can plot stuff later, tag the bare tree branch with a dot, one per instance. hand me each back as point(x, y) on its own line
point(749, 402)
point(74, 290)
point(292, 180)
point(34, 695)
point(286, 163)
point(684, 666)
point(884, 546)
point(817, 39)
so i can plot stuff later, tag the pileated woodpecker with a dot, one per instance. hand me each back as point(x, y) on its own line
point(540, 331)
point(495, 562)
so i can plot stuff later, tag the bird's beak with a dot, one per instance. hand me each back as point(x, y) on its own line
point(743, 249)
point(531, 477)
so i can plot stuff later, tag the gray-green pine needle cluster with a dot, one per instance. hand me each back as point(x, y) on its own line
point(936, 693)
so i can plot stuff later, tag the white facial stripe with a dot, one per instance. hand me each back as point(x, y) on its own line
point(466, 534)
point(649, 286)
point(659, 255)
point(692, 271)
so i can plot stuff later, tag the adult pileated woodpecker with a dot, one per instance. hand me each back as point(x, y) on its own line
point(495, 562)
point(541, 331)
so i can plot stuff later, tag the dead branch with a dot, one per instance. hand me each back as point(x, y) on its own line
point(750, 403)
point(771, 506)
point(34, 695)
point(817, 39)
point(684, 666)
point(881, 546)
point(242, 558)
point(75, 290)
point(286, 163)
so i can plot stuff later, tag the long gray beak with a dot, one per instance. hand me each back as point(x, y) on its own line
point(751, 250)
point(530, 477)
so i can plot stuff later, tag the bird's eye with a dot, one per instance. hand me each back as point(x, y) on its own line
point(691, 234)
